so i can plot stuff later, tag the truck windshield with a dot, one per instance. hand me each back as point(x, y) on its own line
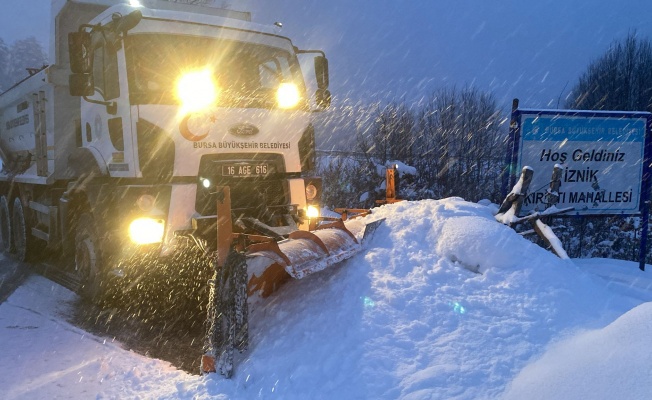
point(246, 75)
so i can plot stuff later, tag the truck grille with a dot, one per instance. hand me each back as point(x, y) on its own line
point(251, 196)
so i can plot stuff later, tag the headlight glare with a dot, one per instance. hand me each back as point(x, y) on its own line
point(146, 230)
point(287, 95)
point(312, 212)
point(196, 90)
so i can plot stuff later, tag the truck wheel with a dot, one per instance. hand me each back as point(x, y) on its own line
point(5, 226)
point(88, 259)
point(22, 241)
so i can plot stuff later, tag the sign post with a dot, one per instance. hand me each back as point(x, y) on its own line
point(603, 158)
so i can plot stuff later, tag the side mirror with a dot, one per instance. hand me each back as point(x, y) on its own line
point(80, 52)
point(321, 72)
point(81, 85)
point(323, 98)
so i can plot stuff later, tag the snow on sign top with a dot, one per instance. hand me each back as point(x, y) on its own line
point(601, 155)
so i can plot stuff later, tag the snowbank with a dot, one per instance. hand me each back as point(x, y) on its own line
point(445, 303)
point(609, 363)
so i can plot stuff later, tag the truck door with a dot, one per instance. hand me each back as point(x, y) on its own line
point(106, 115)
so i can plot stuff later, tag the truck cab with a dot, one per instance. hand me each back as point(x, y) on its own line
point(124, 144)
point(174, 105)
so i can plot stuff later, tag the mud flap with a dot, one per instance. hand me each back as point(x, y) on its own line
point(228, 326)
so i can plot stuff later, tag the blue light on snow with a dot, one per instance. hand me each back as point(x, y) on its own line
point(368, 302)
point(458, 308)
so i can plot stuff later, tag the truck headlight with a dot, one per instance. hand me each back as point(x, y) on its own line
point(146, 230)
point(196, 90)
point(312, 212)
point(287, 95)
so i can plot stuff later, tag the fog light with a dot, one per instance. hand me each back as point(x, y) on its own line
point(146, 202)
point(312, 212)
point(206, 183)
point(146, 230)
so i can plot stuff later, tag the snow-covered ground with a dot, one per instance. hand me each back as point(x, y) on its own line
point(445, 303)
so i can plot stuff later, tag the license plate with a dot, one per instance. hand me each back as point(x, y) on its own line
point(245, 169)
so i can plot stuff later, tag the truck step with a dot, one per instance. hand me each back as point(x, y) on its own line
point(42, 208)
point(40, 234)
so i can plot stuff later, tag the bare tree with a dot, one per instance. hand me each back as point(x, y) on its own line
point(621, 79)
point(391, 136)
point(455, 140)
point(17, 61)
point(459, 148)
point(5, 80)
point(346, 180)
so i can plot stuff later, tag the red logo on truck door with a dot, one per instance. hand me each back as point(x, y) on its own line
point(185, 130)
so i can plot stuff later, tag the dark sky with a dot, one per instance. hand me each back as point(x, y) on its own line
point(20, 19)
point(405, 49)
point(515, 48)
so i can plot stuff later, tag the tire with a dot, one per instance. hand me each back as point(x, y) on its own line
point(88, 259)
point(23, 242)
point(6, 243)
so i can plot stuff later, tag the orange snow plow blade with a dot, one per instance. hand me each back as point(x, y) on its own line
point(270, 264)
point(250, 267)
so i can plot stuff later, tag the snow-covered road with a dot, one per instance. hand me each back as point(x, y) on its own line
point(44, 356)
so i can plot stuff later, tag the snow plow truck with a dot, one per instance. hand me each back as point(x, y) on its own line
point(156, 122)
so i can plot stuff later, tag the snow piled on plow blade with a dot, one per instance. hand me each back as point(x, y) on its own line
point(305, 253)
point(307, 256)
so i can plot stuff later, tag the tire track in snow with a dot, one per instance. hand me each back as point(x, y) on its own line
point(12, 274)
